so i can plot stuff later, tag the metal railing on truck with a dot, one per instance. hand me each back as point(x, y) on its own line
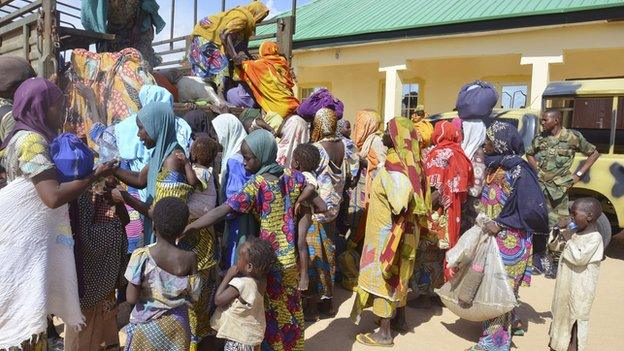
point(39, 30)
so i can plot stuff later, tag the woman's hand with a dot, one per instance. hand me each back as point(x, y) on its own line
point(492, 228)
point(106, 169)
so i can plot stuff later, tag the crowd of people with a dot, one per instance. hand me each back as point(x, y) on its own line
point(233, 231)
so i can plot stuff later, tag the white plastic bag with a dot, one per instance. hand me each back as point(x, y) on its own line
point(494, 296)
point(464, 250)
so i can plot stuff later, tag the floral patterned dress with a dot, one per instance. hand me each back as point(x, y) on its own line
point(515, 248)
point(272, 203)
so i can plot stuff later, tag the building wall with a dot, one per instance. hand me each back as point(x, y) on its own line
point(442, 65)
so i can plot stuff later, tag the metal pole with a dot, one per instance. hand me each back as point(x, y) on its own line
point(194, 12)
point(293, 12)
point(222, 5)
point(172, 24)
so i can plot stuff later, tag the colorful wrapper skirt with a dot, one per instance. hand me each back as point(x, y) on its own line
point(170, 331)
point(284, 314)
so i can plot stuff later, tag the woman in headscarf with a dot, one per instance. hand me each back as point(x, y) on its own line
point(13, 71)
point(219, 38)
point(423, 126)
point(450, 175)
point(295, 131)
point(339, 164)
point(472, 144)
point(514, 201)
point(136, 156)
point(367, 138)
point(270, 80)
point(399, 201)
point(169, 173)
point(372, 152)
point(270, 195)
point(232, 178)
point(38, 265)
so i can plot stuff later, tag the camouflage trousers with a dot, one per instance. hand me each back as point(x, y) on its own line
point(557, 210)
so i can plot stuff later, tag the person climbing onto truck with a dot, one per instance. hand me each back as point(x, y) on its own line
point(219, 38)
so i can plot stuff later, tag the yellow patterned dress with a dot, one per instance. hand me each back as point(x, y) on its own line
point(172, 183)
point(272, 203)
point(381, 286)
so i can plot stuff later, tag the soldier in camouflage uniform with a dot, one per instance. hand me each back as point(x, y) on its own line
point(551, 153)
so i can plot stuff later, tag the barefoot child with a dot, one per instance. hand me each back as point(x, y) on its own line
point(162, 282)
point(577, 278)
point(240, 298)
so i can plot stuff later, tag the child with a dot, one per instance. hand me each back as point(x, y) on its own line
point(240, 314)
point(306, 158)
point(162, 282)
point(577, 278)
point(203, 152)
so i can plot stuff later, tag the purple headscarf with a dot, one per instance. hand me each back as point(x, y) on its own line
point(30, 106)
point(240, 97)
point(321, 98)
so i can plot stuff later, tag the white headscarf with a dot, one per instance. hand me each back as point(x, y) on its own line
point(474, 136)
point(231, 134)
point(294, 132)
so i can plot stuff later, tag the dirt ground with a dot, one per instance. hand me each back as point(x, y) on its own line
point(439, 329)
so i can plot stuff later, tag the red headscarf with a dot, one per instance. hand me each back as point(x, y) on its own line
point(448, 168)
point(449, 171)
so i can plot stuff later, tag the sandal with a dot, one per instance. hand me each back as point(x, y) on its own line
point(368, 340)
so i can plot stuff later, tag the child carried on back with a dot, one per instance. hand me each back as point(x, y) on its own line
point(577, 278)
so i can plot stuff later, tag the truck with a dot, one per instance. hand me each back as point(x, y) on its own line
point(42, 31)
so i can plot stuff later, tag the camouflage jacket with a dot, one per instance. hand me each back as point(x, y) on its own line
point(554, 155)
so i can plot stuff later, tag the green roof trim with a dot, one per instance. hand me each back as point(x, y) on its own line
point(325, 19)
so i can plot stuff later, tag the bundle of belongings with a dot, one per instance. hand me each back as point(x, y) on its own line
point(321, 98)
point(115, 78)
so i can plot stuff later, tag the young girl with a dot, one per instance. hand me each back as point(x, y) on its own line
point(270, 195)
point(240, 313)
point(162, 282)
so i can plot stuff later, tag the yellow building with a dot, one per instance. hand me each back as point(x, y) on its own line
point(391, 55)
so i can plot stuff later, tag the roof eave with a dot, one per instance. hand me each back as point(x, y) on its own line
point(602, 14)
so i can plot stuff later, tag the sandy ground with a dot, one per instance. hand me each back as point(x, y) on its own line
point(439, 329)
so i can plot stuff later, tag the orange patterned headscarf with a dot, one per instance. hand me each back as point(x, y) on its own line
point(404, 157)
point(367, 123)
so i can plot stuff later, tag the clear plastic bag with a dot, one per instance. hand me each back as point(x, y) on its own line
point(481, 269)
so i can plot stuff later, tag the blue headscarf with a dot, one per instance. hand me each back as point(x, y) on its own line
point(128, 143)
point(263, 145)
point(525, 208)
point(160, 124)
